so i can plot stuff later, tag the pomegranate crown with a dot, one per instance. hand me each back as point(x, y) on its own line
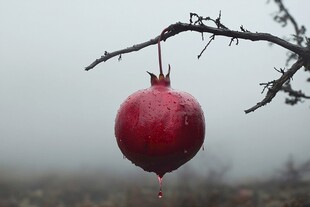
point(161, 80)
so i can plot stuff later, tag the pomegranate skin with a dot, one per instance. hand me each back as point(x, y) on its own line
point(159, 128)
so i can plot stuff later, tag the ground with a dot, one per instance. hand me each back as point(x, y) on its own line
point(99, 189)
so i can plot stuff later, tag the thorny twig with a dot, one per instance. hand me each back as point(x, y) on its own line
point(284, 17)
point(212, 37)
point(232, 39)
point(267, 85)
point(275, 86)
point(296, 96)
point(200, 20)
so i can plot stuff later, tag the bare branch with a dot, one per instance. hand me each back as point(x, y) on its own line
point(299, 51)
point(233, 39)
point(267, 85)
point(284, 16)
point(296, 96)
point(106, 56)
point(212, 37)
point(201, 19)
point(179, 27)
point(277, 85)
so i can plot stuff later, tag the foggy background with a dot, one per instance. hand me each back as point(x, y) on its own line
point(56, 116)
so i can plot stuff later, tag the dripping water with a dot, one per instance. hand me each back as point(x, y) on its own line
point(160, 181)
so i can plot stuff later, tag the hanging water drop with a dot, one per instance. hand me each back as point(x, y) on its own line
point(160, 181)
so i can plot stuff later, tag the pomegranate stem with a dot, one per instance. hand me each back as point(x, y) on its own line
point(159, 52)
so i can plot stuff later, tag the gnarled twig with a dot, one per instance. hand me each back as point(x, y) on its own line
point(183, 27)
point(277, 85)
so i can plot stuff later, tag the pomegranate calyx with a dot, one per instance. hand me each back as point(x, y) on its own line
point(161, 80)
point(154, 79)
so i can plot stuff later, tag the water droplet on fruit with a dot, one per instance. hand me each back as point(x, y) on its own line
point(124, 157)
point(186, 122)
point(185, 151)
point(160, 181)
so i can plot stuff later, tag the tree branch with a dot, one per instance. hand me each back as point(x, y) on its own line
point(179, 27)
point(298, 51)
point(283, 16)
point(296, 96)
point(277, 85)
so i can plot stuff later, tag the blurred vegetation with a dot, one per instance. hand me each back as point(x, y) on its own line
point(288, 188)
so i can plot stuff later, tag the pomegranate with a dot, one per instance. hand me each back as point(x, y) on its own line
point(159, 128)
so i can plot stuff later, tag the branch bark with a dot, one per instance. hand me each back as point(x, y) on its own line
point(277, 85)
point(179, 27)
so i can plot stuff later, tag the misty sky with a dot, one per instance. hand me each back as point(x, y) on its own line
point(54, 114)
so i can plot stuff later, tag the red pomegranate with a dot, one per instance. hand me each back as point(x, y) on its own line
point(159, 128)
